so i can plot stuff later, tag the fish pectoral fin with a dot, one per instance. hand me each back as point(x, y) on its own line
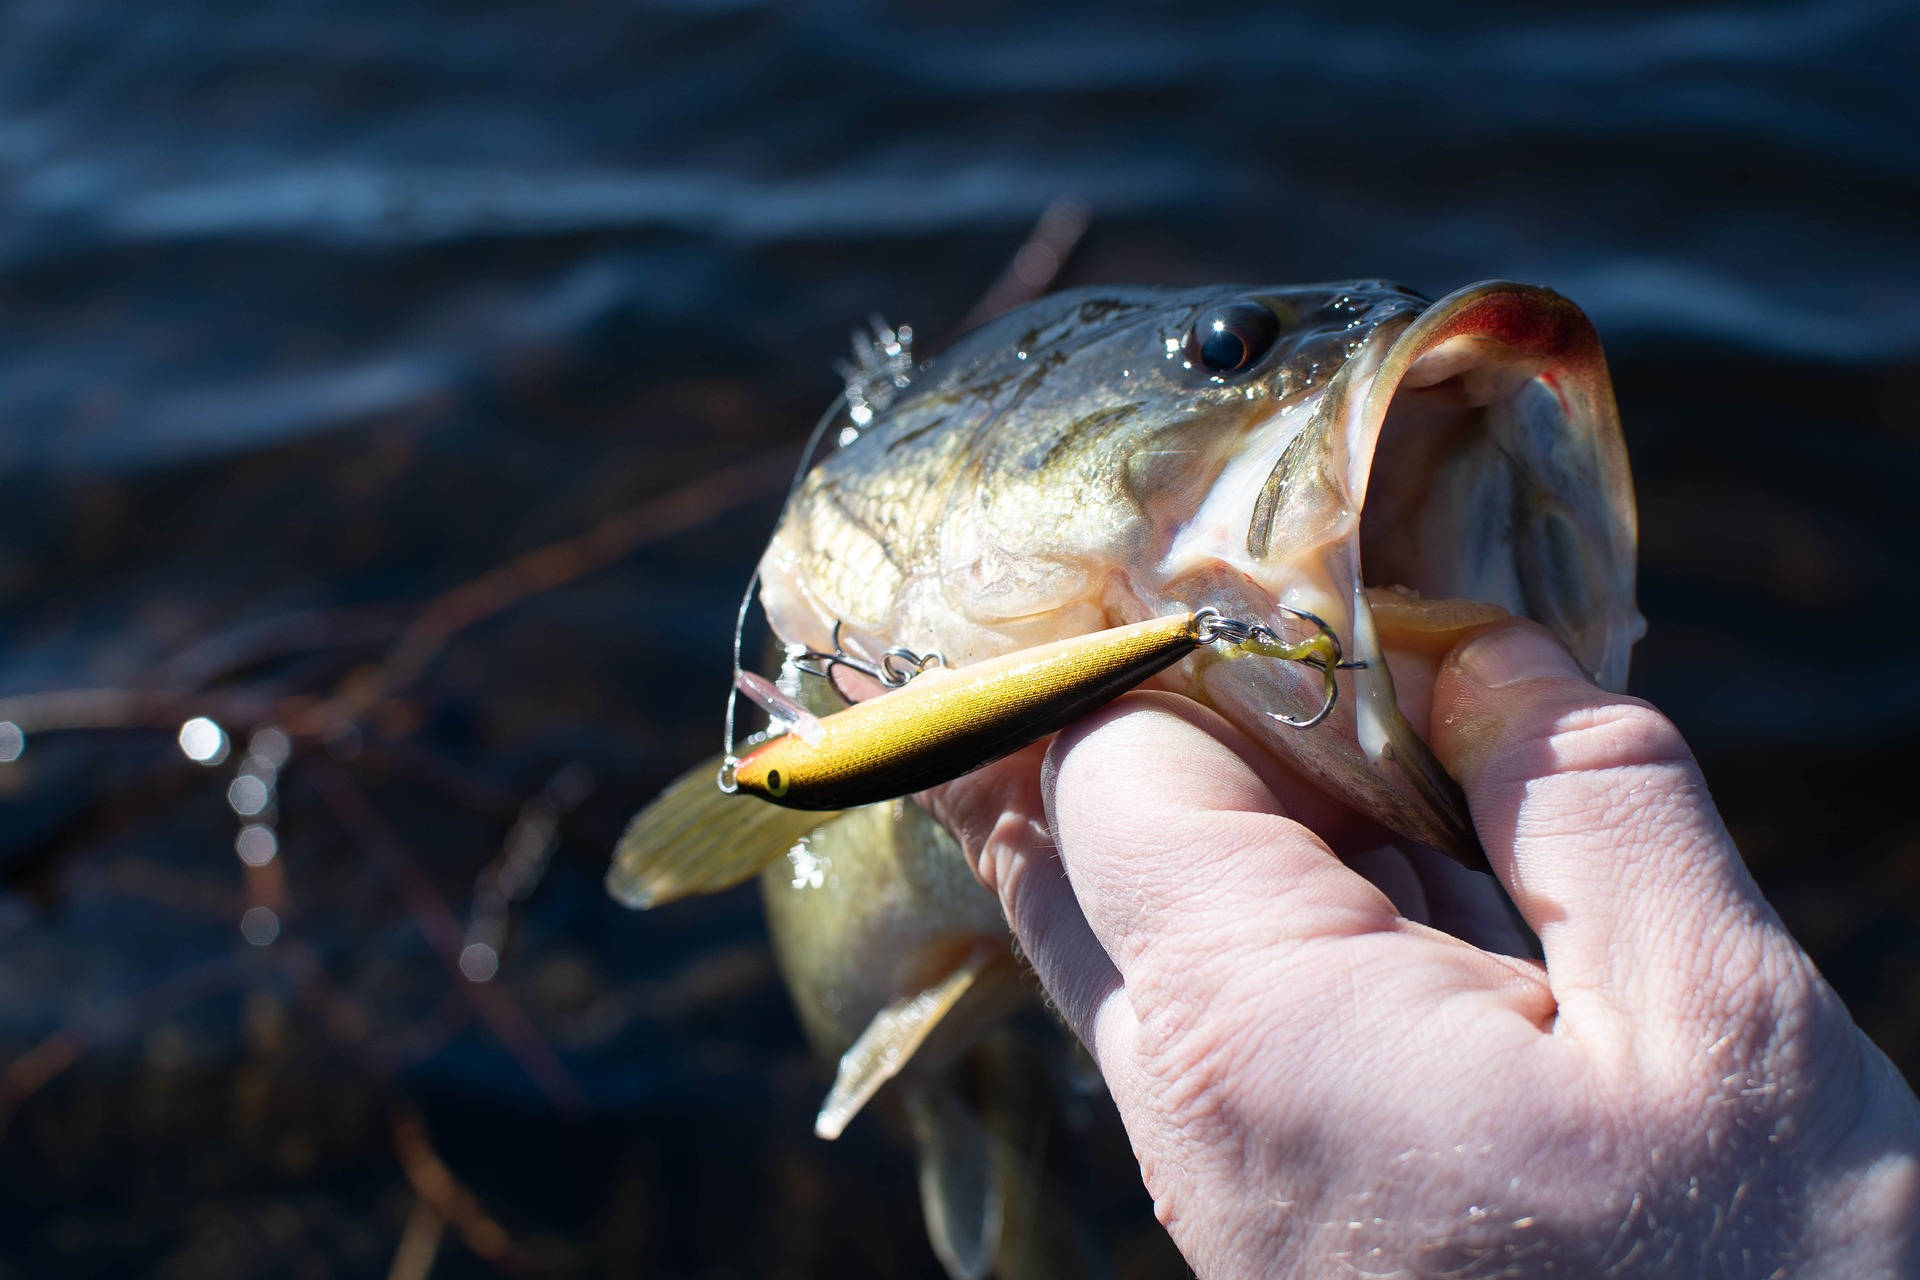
point(962, 1189)
point(695, 838)
point(892, 1037)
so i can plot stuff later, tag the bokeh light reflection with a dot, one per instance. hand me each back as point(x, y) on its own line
point(270, 747)
point(479, 962)
point(248, 794)
point(256, 844)
point(203, 741)
point(260, 926)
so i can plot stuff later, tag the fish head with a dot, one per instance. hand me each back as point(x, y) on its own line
point(1398, 470)
point(1463, 463)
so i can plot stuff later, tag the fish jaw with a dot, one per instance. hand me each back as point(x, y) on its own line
point(1462, 467)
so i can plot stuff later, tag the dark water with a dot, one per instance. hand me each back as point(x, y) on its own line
point(310, 312)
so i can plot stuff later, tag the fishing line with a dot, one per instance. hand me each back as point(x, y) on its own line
point(728, 761)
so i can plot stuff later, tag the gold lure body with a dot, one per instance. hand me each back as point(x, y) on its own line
point(944, 723)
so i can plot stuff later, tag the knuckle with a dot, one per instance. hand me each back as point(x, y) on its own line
point(1619, 772)
point(1758, 1005)
point(1206, 1037)
point(1743, 1048)
point(1740, 993)
point(1009, 862)
point(1005, 877)
point(1626, 734)
point(1191, 1055)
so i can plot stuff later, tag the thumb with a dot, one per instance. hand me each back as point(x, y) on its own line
point(1596, 817)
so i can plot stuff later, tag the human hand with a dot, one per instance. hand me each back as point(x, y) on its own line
point(1323, 1075)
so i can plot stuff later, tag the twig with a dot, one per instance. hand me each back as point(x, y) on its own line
point(444, 1194)
point(442, 618)
point(35, 869)
point(33, 1070)
point(407, 758)
point(521, 864)
point(1037, 263)
point(419, 1243)
point(382, 847)
point(550, 566)
point(220, 656)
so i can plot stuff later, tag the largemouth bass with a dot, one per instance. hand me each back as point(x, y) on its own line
point(1404, 471)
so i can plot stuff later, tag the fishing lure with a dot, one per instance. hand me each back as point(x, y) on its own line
point(938, 723)
point(934, 724)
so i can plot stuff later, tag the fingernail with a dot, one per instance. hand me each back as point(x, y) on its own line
point(1513, 654)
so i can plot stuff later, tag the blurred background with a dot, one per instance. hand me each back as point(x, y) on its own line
point(394, 397)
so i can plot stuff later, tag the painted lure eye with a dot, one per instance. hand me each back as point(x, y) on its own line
point(1231, 337)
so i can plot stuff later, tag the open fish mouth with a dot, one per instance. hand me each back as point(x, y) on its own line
point(1487, 461)
point(1462, 466)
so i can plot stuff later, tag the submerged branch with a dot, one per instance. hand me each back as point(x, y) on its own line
point(450, 1200)
point(1037, 263)
point(397, 864)
point(554, 565)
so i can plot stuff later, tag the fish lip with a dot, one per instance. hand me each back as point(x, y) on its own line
point(1492, 342)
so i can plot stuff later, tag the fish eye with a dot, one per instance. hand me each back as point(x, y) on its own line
point(1231, 337)
point(775, 783)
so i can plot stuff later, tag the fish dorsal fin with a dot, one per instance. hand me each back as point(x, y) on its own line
point(695, 838)
point(786, 712)
point(891, 1038)
point(962, 1191)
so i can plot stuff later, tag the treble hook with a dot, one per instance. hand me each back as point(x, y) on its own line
point(896, 666)
point(1322, 650)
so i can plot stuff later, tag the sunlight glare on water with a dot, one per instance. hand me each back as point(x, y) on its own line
point(479, 962)
point(248, 795)
point(260, 926)
point(270, 746)
point(202, 741)
point(256, 844)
